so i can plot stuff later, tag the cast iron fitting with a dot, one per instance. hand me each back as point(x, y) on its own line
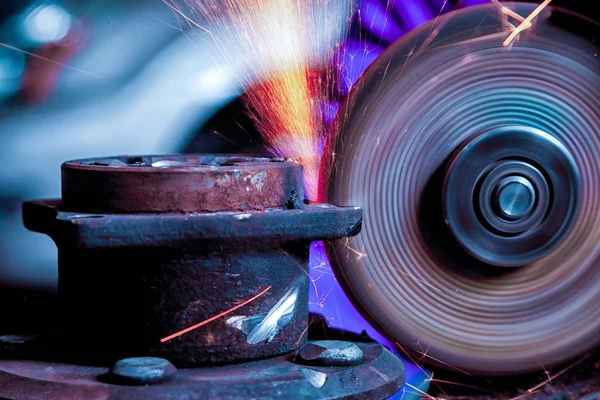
point(150, 249)
point(181, 183)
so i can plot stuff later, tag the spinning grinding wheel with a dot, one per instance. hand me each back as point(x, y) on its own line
point(478, 169)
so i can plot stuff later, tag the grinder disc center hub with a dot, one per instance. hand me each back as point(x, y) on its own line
point(514, 197)
point(510, 195)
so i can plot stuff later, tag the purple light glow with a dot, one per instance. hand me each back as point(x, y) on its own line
point(376, 19)
point(353, 58)
point(413, 13)
point(376, 25)
point(327, 298)
point(468, 3)
point(329, 110)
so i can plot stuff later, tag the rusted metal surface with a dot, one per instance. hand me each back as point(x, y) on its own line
point(380, 375)
point(128, 280)
point(87, 231)
point(181, 183)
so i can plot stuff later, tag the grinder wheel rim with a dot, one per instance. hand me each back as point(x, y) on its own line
point(387, 152)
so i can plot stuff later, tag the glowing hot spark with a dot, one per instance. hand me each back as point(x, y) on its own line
point(274, 46)
point(526, 23)
point(206, 321)
point(285, 112)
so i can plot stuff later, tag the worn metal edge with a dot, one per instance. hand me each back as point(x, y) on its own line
point(314, 222)
point(386, 377)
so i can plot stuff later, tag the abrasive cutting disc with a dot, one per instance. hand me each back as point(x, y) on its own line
point(478, 169)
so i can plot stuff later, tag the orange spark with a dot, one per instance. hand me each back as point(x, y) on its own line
point(457, 384)
point(425, 355)
point(510, 13)
point(418, 280)
point(278, 44)
point(526, 23)
point(302, 335)
point(522, 396)
point(191, 328)
point(412, 360)
point(50, 60)
point(304, 270)
point(285, 111)
point(556, 375)
point(358, 254)
point(422, 393)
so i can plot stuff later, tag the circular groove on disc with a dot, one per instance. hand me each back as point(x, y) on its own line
point(406, 115)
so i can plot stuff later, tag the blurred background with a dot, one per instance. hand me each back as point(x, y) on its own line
point(107, 77)
point(123, 78)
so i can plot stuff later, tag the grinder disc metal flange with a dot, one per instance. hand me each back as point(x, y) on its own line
point(478, 169)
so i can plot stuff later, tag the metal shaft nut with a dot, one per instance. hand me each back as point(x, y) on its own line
point(142, 371)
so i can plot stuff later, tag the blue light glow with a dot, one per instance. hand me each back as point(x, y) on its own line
point(327, 298)
point(376, 25)
point(47, 23)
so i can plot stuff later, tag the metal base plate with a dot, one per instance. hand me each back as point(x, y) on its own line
point(380, 375)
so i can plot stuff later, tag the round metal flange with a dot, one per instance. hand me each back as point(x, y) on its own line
point(440, 223)
point(510, 195)
point(514, 197)
point(181, 183)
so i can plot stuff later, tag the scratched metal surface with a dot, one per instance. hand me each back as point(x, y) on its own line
point(128, 280)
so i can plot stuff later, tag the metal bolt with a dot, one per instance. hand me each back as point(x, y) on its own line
point(515, 197)
point(142, 370)
point(331, 353)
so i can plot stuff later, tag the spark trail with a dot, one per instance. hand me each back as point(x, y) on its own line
point(206, 321)
point(526, 23)
point(276, 47)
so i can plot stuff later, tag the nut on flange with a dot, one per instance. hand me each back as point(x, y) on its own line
point(142, 371)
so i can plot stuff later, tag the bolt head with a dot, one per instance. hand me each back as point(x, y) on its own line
point(142, 370)
point(515, 197)
point(331, 353)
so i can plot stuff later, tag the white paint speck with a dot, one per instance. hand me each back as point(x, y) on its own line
point(261, 327)
point(315, 378)
point(257, 180)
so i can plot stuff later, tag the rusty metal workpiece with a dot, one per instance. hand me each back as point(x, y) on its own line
point(128, 280)
point(180, 183)
point(378, 376)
